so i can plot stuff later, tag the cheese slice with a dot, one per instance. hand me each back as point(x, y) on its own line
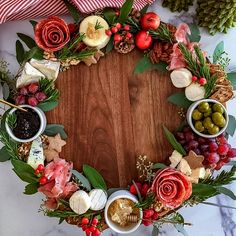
point(98, 199)
point(36, 156)
point(49, 68)
point(29, 75)
point(175, 159)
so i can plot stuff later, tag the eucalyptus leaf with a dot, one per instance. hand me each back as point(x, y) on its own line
point(33, 23)
point(48, 105)
point(232, 78)
point(195, 35)
point(94, 177)
point(109, 15)
point(20, 52)
point(27, 40)
point(110, 45)
point(226, 192)
point(83, 180)
point(218, 51)
point(4, 155)
point(125, 10)
point(179, 99)
point(54, 129)
point(155, 231)
point(110, 191)
point(73, 10)
point(159, 166)
point(231, 126)
point(218, 205)
point(172, 140)
point(5, 91)
point(180, 228)
point(34, 52)
point(31, 188)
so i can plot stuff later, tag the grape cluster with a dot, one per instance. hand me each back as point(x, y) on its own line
point(216, 151)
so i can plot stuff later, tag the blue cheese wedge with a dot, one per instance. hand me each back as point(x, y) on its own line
point(29, 75)
point(36, 156)
point(98, 199)
point(49, 68)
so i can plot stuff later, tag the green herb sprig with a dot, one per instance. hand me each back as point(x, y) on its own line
point(48, 87)
point(147, 202)
point(98, 25)
point(11, 120)
point(162, 33)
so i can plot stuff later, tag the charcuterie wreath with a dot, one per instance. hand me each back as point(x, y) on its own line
point(81, 197)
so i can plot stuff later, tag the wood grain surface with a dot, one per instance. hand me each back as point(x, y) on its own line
point(112, 116)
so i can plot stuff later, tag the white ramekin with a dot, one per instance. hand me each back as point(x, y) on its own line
point(43, 123)
point(118, 229)
point(190, 121)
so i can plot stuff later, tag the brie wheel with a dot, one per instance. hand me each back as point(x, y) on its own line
point(98, 199)
point(94, 38)
point(195, 92)
point(181, 78)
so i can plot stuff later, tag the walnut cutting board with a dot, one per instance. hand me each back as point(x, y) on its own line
point(112, 116)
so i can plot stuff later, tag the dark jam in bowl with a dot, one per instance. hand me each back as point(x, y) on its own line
point(27, 124)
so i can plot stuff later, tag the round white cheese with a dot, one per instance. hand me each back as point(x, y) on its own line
point(181, 78)
point(98, 199)
point(80, 202)
point(195, 92)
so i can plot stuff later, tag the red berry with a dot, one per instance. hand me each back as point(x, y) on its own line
point(114, 29)
point(84, 227)
point(40, 167)
point(223, 149)
point(71, 28)
point(94, 221)
point(33, 88)
point(155, 216)
point(213, 146)
point(87, 231)
point(221, 139)
point(129, 35)
point(117, 13)
point(23, 91)
point(202, 81)
point(96, 233)
point(43, 180)
point(32, 101)
point(92, 228)
point(108, 32)
point(213, 158)
point(85, 221)
point(117, 38)
point(37, 171)
point(133, 188)
point(146, 222)
point(20, 100)
point(127, 27)
point(232, 153)
point(40, 96)
point(118, 25)
point(144, 190)
point(148, 213)
point(194, 78)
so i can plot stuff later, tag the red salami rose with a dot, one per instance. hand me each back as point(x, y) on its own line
point(52, 34)
point(171, 187)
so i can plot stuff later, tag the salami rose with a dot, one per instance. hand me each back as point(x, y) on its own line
point(52, 34)
point(171, 187)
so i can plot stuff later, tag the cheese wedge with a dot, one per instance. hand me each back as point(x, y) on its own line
point(36, 156)
point(175, 158)
point(98, 199)
point(29, 75)
point(49, 68)
point(184, 167)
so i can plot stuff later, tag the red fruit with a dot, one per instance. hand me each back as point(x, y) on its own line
point(232, 153)
point(194, 78)
point(150, 21)
point(213, 146)
point(143, 40)
point(43, 180)
point(127, 27)
point(213, 158)
point(23, 91)
point(84, 221)
point(155, 216)
point(108, 32)
point(84, 227)
point(223, 149)
point(87, 231)
point(40, 167)
point(117, 13)
point(148, 213)
point(96, 233)
point(71, 28)
point(32, 101)
point(114, 29)
point(20, 100)
point(94, 221)
point(202, 81)
point(40, 96)
point(146, 222)
point(144, 190)
point(133, 188)
point(219, 165)
point(118, 25)
point(129, 35)
point(92, 228)
point(33, 88)
point(221, 139)
point(37, 172)
point(117, 38)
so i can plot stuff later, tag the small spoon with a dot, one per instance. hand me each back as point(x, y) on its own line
point(12, 105)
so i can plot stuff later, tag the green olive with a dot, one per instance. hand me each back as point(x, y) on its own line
point(197, 115)
point(218, 118)
point(214, 130)
point(218, 108)
point(208, 112)
point(203, 107)
point(207, 123)
point(199, 127)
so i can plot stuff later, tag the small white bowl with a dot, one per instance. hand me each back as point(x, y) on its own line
point(115, 227)
point(43, 123)
point(190, 121)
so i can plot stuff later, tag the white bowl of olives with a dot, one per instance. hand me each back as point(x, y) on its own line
point(207, 118)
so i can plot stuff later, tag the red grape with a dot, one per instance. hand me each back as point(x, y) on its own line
point(189, 136)
point(219, 165)
point(221, 139)
point(20, 100)
point(204, 147)
point(213, 146)
point(232, 152)
point(23, 91)
point(197, 151)
point(223, 149)
point(213, 157)
point(193, 144)
point(201, 140)
point(179, 136)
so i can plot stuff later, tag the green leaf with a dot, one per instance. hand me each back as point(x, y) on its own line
point(203, 190)
point(33, 23)
point(155, 231)
point(159, 166)
point(110, 191)
point(20, 52)
point(232, 78)
point(61, 220)
point(125, 10)
point(218, 51)
point(172, 140)
point(226, 192)
point(34, 52)
point(94, 177)
point(180, 228)
point(27, 40)
point(54, 129)
point(83, 180)
point(231, 126)
point(5, 91)
point(218, 205)
point(109, 15)
point(195, 35)
point(31, 188)
point(110, 45)
point(4, 155)
point(47, 106)
point(144, 9)
point(24, 171)
point(73, 11)
point(179, 99)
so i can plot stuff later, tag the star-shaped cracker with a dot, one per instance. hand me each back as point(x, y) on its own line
point(194, 160)
point(56, 143)
point(50, 154)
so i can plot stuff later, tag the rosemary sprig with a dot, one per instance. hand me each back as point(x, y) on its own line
point(135, 27)
point(83, 54)
point(98, 25)
point(48, 87)
point(147, 202)
point(11, 120)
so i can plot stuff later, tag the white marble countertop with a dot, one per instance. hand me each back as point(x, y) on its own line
point(19, 213)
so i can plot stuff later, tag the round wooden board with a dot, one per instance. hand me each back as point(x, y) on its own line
point(112, 116)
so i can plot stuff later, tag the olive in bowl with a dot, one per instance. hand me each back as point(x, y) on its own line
point(207, 118)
